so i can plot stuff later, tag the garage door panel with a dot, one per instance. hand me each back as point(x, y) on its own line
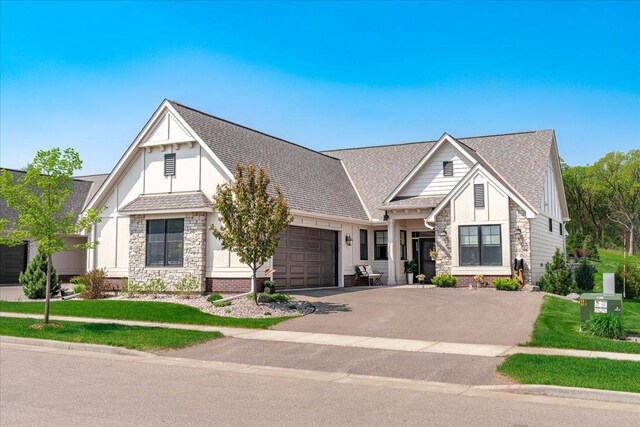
point(298, 257)
point(12, 262)
point(306, 258)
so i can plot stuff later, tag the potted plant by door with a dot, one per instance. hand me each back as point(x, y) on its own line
point(410, 268)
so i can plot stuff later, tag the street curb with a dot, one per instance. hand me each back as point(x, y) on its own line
point(63, 345)
point(566, 392)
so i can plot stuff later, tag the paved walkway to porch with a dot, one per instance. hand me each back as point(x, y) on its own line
point(485, 350)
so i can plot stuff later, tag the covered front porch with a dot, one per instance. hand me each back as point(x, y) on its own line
point(408, 237)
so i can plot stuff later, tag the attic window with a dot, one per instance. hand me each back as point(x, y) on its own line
point(478, 195)
point(447, 168)
point(170, 164)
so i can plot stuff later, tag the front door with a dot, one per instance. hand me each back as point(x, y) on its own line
point(426, 266)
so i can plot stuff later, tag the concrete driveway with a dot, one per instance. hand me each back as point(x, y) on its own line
point(481, 316)
point(14, 292)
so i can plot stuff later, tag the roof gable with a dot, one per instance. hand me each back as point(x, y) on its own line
point(519, 159)
point(427, 177)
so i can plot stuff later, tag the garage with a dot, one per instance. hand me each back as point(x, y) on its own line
point(13, 260)
point(306, 258)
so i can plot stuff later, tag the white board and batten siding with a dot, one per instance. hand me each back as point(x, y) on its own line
point(430, 180)
point(543, 241)
point(494, 212)
point(195, 170)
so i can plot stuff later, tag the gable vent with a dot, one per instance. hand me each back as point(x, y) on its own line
point(170, 164)
point(478, 195)
point(447, 168)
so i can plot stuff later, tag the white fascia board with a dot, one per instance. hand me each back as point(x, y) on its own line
point(330, 217)
point(131, 151)
point(557, 170)
point(186, 126)
point(136, 144)
point(443, 139)
point(165, 211)
point(463, 182)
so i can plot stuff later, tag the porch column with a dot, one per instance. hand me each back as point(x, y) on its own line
point(391, 252)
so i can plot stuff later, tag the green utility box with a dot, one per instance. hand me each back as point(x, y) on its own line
point(599, 303)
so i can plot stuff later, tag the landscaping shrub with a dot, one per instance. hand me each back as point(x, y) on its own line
point(444, 281)
point(589, 248)
point(282, 298)
point(506, 284)
point(271, 285)
point(633, 281)
point(79, 288)
point(187, 287)
point(292, 307)
point(222, 303)
point(605, 326)
point(156, 287)
point(557, 278)
point(131, 288)
point(215, 297)
point(34, 278)
point(77, 280)
point(584, 275)
point(96, 284)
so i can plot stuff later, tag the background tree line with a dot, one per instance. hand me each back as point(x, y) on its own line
point(604, 201)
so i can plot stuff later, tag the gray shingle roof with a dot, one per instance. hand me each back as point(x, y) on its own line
point(310, 181)
point(413, 203)
point(167, 201)
point(96, 183)
point(75, 203)
point(520, 158)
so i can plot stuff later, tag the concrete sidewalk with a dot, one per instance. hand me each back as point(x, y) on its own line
point(465, 349)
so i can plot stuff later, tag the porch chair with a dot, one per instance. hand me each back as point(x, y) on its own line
point(374, 278)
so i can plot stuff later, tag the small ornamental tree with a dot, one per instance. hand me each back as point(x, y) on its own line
point(38, 196)
point(34, 278)
point(251, 219)
point(557, 278)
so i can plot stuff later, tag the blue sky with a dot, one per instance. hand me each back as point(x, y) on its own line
point(324, 75)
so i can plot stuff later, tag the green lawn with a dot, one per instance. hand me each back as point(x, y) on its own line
point(134, 337)
point(558, 325)
point(137, 310)
point(609, 262)
point(604, 374)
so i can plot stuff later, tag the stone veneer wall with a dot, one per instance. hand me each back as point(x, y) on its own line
point(522, 244)
point(194, 258)
point(443, 243)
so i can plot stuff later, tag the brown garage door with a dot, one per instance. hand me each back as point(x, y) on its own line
point(13, 260)
point(306, 258)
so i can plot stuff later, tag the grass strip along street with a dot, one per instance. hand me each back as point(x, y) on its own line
point(148, 311)
point(132, 337)
point(603, 374)
point(558, 325)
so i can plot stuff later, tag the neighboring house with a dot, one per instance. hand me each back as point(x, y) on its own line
point(478, 201)
point(14, 259)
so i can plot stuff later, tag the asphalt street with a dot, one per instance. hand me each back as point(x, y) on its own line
point(38, 387)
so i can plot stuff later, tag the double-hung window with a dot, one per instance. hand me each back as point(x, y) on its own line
point(480, 245)
point(165, 242)
point(364, 244)
point(381, 240)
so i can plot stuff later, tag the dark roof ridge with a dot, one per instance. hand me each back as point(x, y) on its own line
point(433, 141)
point(251, 129)
point(75, 178)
